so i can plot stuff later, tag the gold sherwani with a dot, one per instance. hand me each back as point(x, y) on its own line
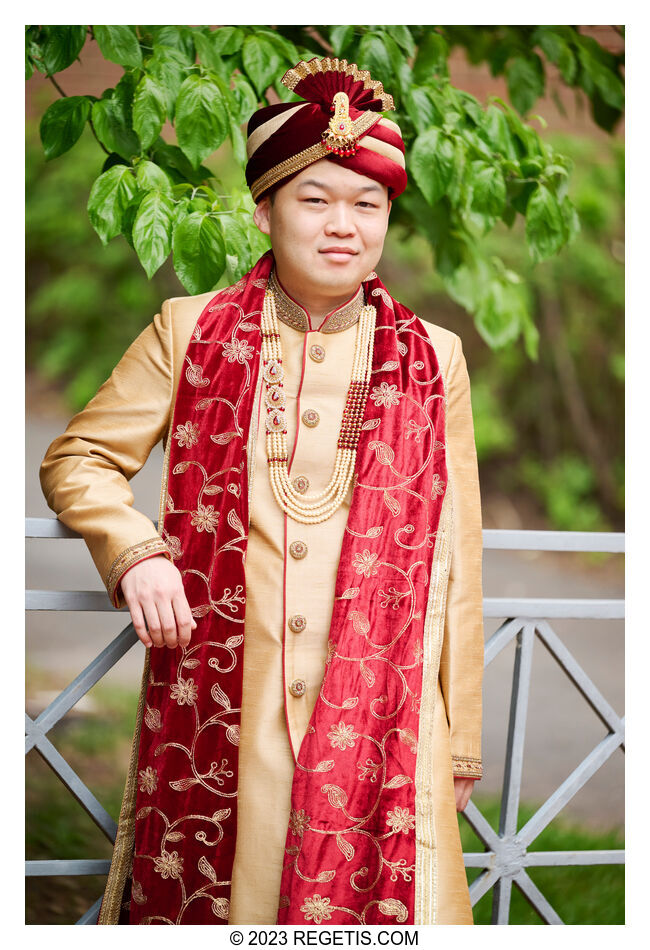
point(85, 477)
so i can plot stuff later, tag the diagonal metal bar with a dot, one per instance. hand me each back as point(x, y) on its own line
point(569, 787)
point(481, 827)
point(482, 884)
point(502, 637)
point(88, 677)
point(77, 787)
point(579, 678)
point(516, 731)
point(501, 900)
point(91, 915)
point(540, 859)
point(74, 868)
point(536, 899)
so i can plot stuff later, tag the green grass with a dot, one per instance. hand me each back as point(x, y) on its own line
point(98, 746)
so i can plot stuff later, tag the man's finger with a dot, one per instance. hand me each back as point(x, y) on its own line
point(184, 620)
point(153, 622)
point(167, 623)
point(137, 618)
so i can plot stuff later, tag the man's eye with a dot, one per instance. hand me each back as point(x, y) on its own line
point(366, 204)
point(314, 199)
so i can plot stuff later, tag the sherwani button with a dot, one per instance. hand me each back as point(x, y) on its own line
point(298, 549)
point(297, 623)
point(301, 483)
point(317, 352)
point(311, 418)
point(297, 687)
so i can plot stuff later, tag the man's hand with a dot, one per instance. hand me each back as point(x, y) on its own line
point(463, 788)
point(153, 591)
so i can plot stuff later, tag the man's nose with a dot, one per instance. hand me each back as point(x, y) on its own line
point(340, 221)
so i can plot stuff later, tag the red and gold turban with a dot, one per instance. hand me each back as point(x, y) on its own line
point(339, 120)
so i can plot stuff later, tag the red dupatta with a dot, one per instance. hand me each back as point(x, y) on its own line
point(351, 840)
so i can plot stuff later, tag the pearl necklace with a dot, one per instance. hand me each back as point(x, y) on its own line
point(313, 509)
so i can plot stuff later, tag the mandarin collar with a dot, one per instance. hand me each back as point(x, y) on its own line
point(295, 316)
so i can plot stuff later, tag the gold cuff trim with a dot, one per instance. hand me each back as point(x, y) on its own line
point(131, 556)
point(307, 157)
point(327, 65)
point(465, 766)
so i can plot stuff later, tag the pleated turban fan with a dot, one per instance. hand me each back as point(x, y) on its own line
point(339, 119)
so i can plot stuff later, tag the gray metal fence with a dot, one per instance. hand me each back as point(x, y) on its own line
point(507, 852)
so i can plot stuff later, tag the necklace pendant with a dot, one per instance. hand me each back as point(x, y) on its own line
point(273, 372)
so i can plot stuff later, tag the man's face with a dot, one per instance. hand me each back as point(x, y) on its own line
point(327, 227)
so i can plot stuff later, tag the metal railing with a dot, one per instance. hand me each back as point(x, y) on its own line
point(507, 852)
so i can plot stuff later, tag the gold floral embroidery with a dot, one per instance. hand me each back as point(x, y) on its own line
point(185, 692)
point(238, 351)
point(364, 563)
point(400, 820)
point(148, 780)
point(295, 316)
point(187, 435)
point(386, 395)
point(342, 736)
point(316, 908)
point(205, 518)
point(298, 821)
point(169, 865)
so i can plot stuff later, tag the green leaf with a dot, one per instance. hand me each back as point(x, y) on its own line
point(373, 55)
point(604, 77)
point(340, 37)
point(201, 118)
point(571, 219)
point(284, 46)
point(119, 44)
point(525, 77)
point(245, 97)
point(545, 232)
point(152, 231)
point(262, 61)
point(431, 58)
point(227, 39)
point(403, 38)
point(112, 129)
point(167, 67)
point(489, 189)
point(62, 124)
point(178, 38)
point(495, 127)
point(60, 46)
point(431, 164)
point(421, 110)
point(559, 52)
point(109, 197)
point(199, 252)
point(150, 177)
point(498, 315)
point(148, 110)
point(237, 245)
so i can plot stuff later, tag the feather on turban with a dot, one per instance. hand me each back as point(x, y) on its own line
point(339, 119)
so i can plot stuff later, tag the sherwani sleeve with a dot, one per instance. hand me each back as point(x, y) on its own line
point(85, 473)
point(461, 663)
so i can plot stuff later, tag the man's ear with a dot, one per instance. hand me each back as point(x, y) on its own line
point(390, 205)
point(262, 215)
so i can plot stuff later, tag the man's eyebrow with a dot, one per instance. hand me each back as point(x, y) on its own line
point(319, 184)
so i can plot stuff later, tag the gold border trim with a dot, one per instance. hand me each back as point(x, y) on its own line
point(295, 316)
point(328, 65)
point(129, 557)
point(308, 156)
point(467, 766)
point(122, 859)
point(426, 857)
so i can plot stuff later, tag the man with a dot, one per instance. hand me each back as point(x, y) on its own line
point(304, 740)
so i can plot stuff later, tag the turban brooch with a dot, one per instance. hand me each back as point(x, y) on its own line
point(340, 119)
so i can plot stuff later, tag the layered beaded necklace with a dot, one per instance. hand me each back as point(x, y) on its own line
point(312, 509)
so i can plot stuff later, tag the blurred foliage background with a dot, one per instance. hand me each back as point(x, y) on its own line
point(549, 433)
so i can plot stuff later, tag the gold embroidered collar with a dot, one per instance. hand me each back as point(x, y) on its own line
point(297, 317)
